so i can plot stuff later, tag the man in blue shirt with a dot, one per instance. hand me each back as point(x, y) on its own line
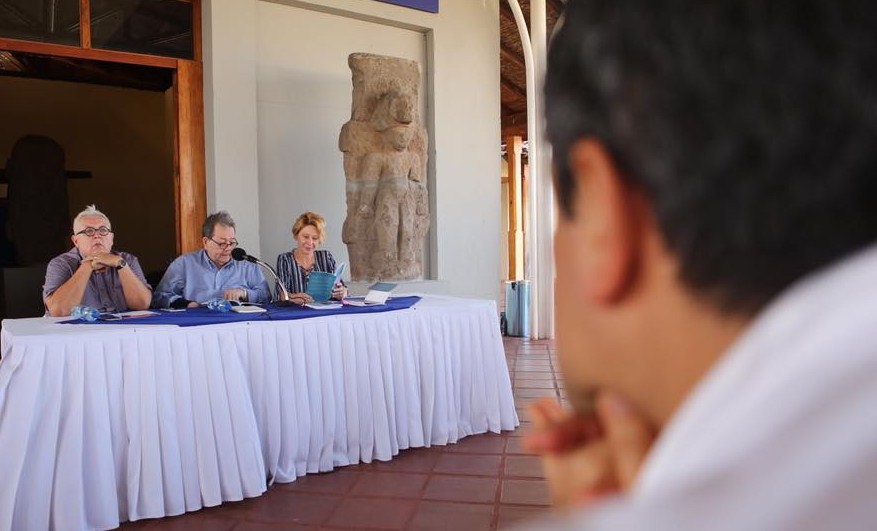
point(211, 273)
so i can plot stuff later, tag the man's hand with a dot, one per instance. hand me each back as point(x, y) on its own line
point(235, 294)
point(100, 261)
point(586, 458)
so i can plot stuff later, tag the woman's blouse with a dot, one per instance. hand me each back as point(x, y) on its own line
point(295, 277)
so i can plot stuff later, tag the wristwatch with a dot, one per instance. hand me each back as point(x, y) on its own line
point(122, 264)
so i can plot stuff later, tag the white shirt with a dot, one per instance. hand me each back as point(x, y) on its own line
point(782, 433)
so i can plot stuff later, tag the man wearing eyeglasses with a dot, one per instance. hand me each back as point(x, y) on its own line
point(210, 273)
point(92, 274)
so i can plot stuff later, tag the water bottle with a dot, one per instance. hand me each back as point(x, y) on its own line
point(85, 313)
point(218, 305)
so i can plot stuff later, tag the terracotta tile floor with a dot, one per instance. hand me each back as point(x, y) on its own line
point(482, 482)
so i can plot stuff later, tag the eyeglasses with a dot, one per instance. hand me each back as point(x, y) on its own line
point(91, 231)
point(225, 245)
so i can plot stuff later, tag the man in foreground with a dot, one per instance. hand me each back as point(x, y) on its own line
point(716, 173)
point(92, 274)
point(211, 273)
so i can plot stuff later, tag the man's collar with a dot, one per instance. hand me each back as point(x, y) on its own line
point(205, 258)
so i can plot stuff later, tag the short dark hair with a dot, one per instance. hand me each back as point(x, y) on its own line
point(751, 126)
point(219, 218)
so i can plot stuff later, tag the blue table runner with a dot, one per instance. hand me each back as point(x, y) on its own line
point(203, 316)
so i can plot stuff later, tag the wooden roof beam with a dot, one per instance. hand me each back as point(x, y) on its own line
point(511, 55)
point(511, 87)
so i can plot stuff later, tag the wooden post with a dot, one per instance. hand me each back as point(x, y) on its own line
point(85, 23)
point(515, 232)
point(525, 195)
point(191, 189)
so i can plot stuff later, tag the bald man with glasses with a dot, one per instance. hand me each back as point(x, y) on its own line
point(92, 274)
point(210, 273)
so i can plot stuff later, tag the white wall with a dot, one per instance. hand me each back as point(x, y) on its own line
point(303, 97)
point(462, 68)
point(229, 48)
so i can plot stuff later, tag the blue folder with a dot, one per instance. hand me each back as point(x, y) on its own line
point(320, 285)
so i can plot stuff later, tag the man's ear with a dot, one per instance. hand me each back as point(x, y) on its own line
point(609, 212)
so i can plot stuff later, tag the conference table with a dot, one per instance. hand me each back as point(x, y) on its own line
point(104, 423)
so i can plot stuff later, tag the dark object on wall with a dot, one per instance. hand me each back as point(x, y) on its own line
point(7, 251)
point(21, 291)
point(71, 174)
point(431, 6)
point(39, 215)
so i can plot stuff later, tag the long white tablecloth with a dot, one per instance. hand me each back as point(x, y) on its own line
point(101, 424)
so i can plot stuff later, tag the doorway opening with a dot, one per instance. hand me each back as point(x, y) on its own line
point(115, 126)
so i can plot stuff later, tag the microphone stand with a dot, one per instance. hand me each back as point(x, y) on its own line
point(244, 256)
point(281, 302)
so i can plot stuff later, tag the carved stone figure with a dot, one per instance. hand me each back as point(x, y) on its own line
point(384, 147)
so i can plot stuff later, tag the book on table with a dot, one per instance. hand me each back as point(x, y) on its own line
point(378, 293)
point(132, 314)
point(247, 308)
point(327, 305)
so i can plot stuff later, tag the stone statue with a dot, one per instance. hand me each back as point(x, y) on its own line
point(384, 147)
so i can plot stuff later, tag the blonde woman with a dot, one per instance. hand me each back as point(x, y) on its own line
point(294, 267)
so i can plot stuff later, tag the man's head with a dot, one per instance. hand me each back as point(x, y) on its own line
point(708, 155)
point(92, 232)
point(218, 237)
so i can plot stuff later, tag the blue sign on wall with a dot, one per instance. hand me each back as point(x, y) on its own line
point(423, 5)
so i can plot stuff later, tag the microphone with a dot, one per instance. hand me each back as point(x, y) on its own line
point(239, 254)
